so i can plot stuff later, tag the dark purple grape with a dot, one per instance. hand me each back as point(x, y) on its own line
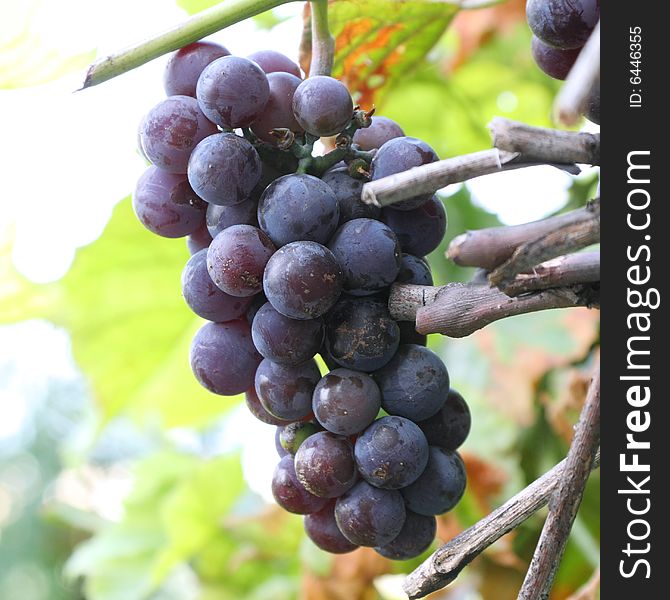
point(223, 357)
point(294, 434)
point(298, 207)
point(322, 105)
point(257, 301)
point(409, 334)
point(421, 230)
point(185, 65)
point(450, 426)
point(325, 464)
point(166, 205)
point(369, 254)
point(219, 218)
point(171, 130)
point(232, 91)
point(440, 486)
point(592, 112)
point(563, 23)
point(278, 112)
point(415, 537)
point(391, 453)
point(380, 131)
point(412, 270)
point(302, 280)
point(331, 363)
point(322, 529)
point(204, 298)
point(284, 340)
point(361, 335)
point(236, 259)
point(347, 190)
point(401, 154)
point(414, 384)
point(278, 447)
point(286, 392)
point(224, 169)
point(346, 402)
point(256, 409)
point(272, 61)
point(289, 492)
point(370, 516)
point(555, 62)
point(198, 240)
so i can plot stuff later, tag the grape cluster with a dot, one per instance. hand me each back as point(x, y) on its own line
point(287, 264)
point(560, 30)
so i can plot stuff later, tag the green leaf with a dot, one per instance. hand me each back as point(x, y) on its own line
point(131, 329)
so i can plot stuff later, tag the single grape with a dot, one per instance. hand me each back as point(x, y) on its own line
point(294, 434)
point(204, 298)
point(346, 402)
point(284, 391)
point(564, 24)
point(236, 259)
point(409, 334)
point(414, 384)
point(224, 169)
point(198, 240)
point(420, 230)
point(413, 270)
point(592, 112)
point(380, 131)
point(278, 447)
point(278, 113)
point(171, 130)
point(272, 61)
point(391, 453)
point(298, 207)
point(223, 357)
point(369, 254)
point(283, 340)
point(325, 464)
point(415, 537)
point(361, 335)
point(289, 492)
point(400, 154)
point(555, 62)
point(219, 217)
point(440, 486)
point(370, 516)
point(322, 105)
point(256, 409)
point(185, 65)
point(322, 529)
point(347, 190)
point(302, 280)
point(166, 205)
point(450, 426)
point(232, 91)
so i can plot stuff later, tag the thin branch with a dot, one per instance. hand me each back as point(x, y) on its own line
point(197, 27)
point(569, 237)
point(460, 309)
point(565, 500)
point(549, 145)
point(488, 248)
point(570, 269)
point(584, 75)
point(444, 565)
point(323, 43)
point(431, 177)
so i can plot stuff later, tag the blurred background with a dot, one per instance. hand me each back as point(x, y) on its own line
point(121, 478)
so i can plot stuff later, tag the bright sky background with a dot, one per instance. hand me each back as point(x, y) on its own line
point(67, 158)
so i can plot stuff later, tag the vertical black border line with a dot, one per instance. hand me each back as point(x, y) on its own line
point(635, 271)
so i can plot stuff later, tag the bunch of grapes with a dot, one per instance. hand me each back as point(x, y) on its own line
point(560, 30)
point(288, 263)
